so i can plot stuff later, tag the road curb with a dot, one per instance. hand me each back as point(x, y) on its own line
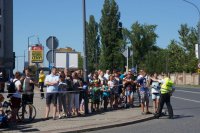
point(105, 126)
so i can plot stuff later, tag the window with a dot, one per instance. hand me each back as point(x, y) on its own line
point(0, 12)
point(0, 44)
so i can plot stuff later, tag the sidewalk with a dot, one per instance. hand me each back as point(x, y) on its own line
point(90, 122)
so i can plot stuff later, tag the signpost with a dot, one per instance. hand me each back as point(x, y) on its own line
point(37, 54)
point(52, 44)
point(127, 53)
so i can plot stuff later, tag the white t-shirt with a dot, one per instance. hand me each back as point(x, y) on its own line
point(106, 76)
point(52, 78)
point(17, 94)
point(111, 84)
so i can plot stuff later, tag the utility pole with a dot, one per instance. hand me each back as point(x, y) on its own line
point(85, 68)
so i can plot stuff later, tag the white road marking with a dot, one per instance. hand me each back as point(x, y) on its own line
point(186, 99)
point(187, 91)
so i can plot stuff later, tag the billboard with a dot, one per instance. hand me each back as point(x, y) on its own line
point(73, 60)
point(66, 60)
point(37, 54)
point(61, 60)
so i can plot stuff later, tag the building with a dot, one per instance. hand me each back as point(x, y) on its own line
point(6, 36)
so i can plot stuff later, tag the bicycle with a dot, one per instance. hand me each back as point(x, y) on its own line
point(26, 112)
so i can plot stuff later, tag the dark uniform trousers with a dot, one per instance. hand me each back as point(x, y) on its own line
point(165, 98)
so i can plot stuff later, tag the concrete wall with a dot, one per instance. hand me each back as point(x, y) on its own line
point(185, 78)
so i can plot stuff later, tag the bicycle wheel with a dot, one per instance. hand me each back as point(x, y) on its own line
point(26, 113)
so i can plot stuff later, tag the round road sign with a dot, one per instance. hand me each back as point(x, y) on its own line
point(52, 42)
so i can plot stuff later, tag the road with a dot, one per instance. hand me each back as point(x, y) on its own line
point(186, 105)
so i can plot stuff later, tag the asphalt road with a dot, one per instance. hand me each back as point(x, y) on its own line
point(186, 105)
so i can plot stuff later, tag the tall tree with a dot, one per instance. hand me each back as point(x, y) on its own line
point(93, 47)
point(111, 57)
point(143, 39)
point(176, 57)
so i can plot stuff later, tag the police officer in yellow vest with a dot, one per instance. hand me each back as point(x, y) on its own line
point(166, 91)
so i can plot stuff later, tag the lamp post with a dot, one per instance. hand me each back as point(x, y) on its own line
point(195, 6)
point(85, 68)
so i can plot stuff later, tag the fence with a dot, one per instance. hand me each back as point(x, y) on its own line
point(185, 78)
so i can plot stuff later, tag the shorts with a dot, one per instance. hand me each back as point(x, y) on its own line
point(144, 97)
point(27, 98)
point(129, 93)
point(155, 96)
point(51, 98)
point(15, 102)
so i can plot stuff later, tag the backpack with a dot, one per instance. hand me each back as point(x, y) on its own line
point(11, 89)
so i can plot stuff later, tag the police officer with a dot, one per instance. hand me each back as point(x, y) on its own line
point(166, 91)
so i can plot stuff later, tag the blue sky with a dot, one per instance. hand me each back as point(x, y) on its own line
point(63, 19)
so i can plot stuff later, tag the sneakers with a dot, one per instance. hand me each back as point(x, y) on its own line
point(59, 117)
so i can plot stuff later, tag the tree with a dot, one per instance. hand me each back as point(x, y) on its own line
point(111, 57)
point(188, 38)
point(143, 39)
point(176, 57)
point(93, 48)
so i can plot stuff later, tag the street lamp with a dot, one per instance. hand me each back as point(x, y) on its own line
point(195, 6)
point(84, 43)
point(85, 68)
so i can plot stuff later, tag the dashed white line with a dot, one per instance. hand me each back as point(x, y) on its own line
point(186, 99)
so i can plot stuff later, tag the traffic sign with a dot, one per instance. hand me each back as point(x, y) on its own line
point(52, 42)
point(199, 65)
point(50, 56)
point(199, 71)
point(127, 53)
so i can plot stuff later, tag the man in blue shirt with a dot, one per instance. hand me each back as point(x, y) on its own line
point(144, 91)
point(52, 82)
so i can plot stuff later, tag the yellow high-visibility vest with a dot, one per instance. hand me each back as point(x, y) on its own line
point(166, 86)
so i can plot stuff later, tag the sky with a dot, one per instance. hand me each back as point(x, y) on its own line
point(64, 19)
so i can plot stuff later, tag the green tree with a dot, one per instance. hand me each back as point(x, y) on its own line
point(188, 38)
point(143, 39)
point(111, 57)
point(93, 47)
point(80, 62)
point(176, 57)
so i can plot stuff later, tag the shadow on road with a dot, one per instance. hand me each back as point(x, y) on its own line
point(22, 127)
point(191, 108)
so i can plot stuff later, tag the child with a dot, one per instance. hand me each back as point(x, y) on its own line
point(96, 96)
point(106, 95)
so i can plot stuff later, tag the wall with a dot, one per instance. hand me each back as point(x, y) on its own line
point(185, 78)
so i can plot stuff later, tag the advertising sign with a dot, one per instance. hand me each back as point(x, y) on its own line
point(37, 54)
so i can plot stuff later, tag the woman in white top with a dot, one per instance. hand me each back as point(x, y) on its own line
point(111, 89)
point(155, 91)
point(16, 97)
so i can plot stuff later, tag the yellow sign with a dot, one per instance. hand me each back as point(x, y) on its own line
point(198, 70)
point(37, 54)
